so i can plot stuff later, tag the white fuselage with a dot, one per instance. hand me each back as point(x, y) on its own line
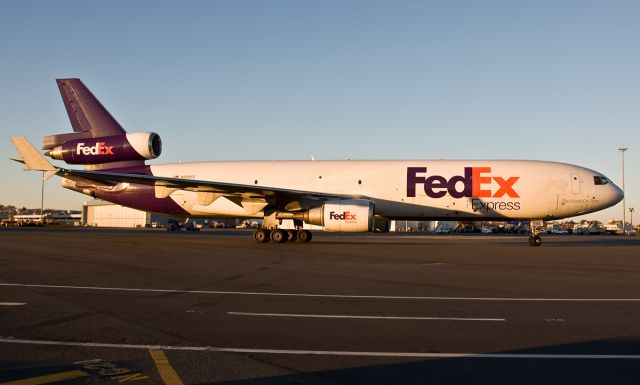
point(413, 189)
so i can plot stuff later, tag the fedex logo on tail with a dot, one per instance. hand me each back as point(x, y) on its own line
point(98, 149)
point(476, 182)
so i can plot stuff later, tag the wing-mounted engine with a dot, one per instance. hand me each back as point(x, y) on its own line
point(108, 149)
point(343, 215)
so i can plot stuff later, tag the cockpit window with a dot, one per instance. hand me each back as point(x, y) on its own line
point(600, 180)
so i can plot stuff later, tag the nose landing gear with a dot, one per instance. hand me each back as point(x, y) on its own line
point(534, 238)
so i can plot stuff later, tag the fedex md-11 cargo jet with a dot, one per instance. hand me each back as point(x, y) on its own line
point(341, 196)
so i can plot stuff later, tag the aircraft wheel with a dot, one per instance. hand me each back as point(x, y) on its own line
point(278, 236)
point(292, 235)
point(304, 235)
point(261, 235)
point(535, 240)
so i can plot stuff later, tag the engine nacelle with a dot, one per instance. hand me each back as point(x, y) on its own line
point(107, 149)
point(345, 215)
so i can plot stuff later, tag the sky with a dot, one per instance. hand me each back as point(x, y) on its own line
point(233, 80)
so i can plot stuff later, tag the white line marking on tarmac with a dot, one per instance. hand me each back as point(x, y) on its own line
point(364, 317)
point(346, 296)
point(327, 352)
point(12, 303)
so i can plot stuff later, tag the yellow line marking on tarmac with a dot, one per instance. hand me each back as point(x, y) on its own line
point(169, 376)
point(49, 378)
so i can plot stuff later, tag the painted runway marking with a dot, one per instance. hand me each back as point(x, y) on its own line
point(166, 371)
point(365, 317)
point(49, 378)
point(327, 352)
point(308, 295)
point(110, 370)
point(12, 303)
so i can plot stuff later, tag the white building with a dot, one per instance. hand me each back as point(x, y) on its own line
point(100, 213)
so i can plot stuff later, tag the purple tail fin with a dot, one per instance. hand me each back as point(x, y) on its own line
point(89, 118)
point(86, 113)
point(98, 141)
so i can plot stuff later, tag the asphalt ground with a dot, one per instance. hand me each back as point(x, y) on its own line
point(143, 306)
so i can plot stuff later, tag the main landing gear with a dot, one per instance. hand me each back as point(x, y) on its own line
point(281, 236)
point(175, 225)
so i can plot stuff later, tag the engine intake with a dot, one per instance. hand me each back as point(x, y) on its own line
point(107, 149)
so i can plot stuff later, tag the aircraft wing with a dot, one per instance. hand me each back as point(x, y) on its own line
point(224, 188)
point(293, 199)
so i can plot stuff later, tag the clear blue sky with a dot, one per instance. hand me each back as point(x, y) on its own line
point(550, 80)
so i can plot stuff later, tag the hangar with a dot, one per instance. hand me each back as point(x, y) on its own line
point(99, 213)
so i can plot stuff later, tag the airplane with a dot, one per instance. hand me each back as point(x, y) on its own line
point(340, 195)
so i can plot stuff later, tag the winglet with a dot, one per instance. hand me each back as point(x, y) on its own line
point(32, 157)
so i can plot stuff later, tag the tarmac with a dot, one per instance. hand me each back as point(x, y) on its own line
point(105, 306)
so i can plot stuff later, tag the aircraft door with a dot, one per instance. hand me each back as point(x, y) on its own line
point(575, 184)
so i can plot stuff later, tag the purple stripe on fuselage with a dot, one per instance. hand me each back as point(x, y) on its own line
point(138, 196)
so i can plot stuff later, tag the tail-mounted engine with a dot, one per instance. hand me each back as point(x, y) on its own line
point(107, 149)
point(345, 215)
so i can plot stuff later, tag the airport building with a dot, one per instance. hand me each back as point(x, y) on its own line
point(99, 213)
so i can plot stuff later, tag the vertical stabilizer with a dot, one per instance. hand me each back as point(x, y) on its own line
point(88, 116)
point(85, 111)
point(98, 141)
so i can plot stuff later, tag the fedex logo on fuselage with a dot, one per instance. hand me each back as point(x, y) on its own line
point(475, 183)
point(98, 149)
point(345, 216)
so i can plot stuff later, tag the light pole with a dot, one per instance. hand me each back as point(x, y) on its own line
point(624, 211)
point(631, 210)
point(42, 200)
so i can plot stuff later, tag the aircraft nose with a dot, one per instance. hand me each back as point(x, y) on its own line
point(615, 194)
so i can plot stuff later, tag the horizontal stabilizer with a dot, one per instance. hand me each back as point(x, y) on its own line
point(32, 157)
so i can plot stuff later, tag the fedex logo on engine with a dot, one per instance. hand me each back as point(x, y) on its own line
point(345, 216)
point(476, 182)
point(98, 149)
